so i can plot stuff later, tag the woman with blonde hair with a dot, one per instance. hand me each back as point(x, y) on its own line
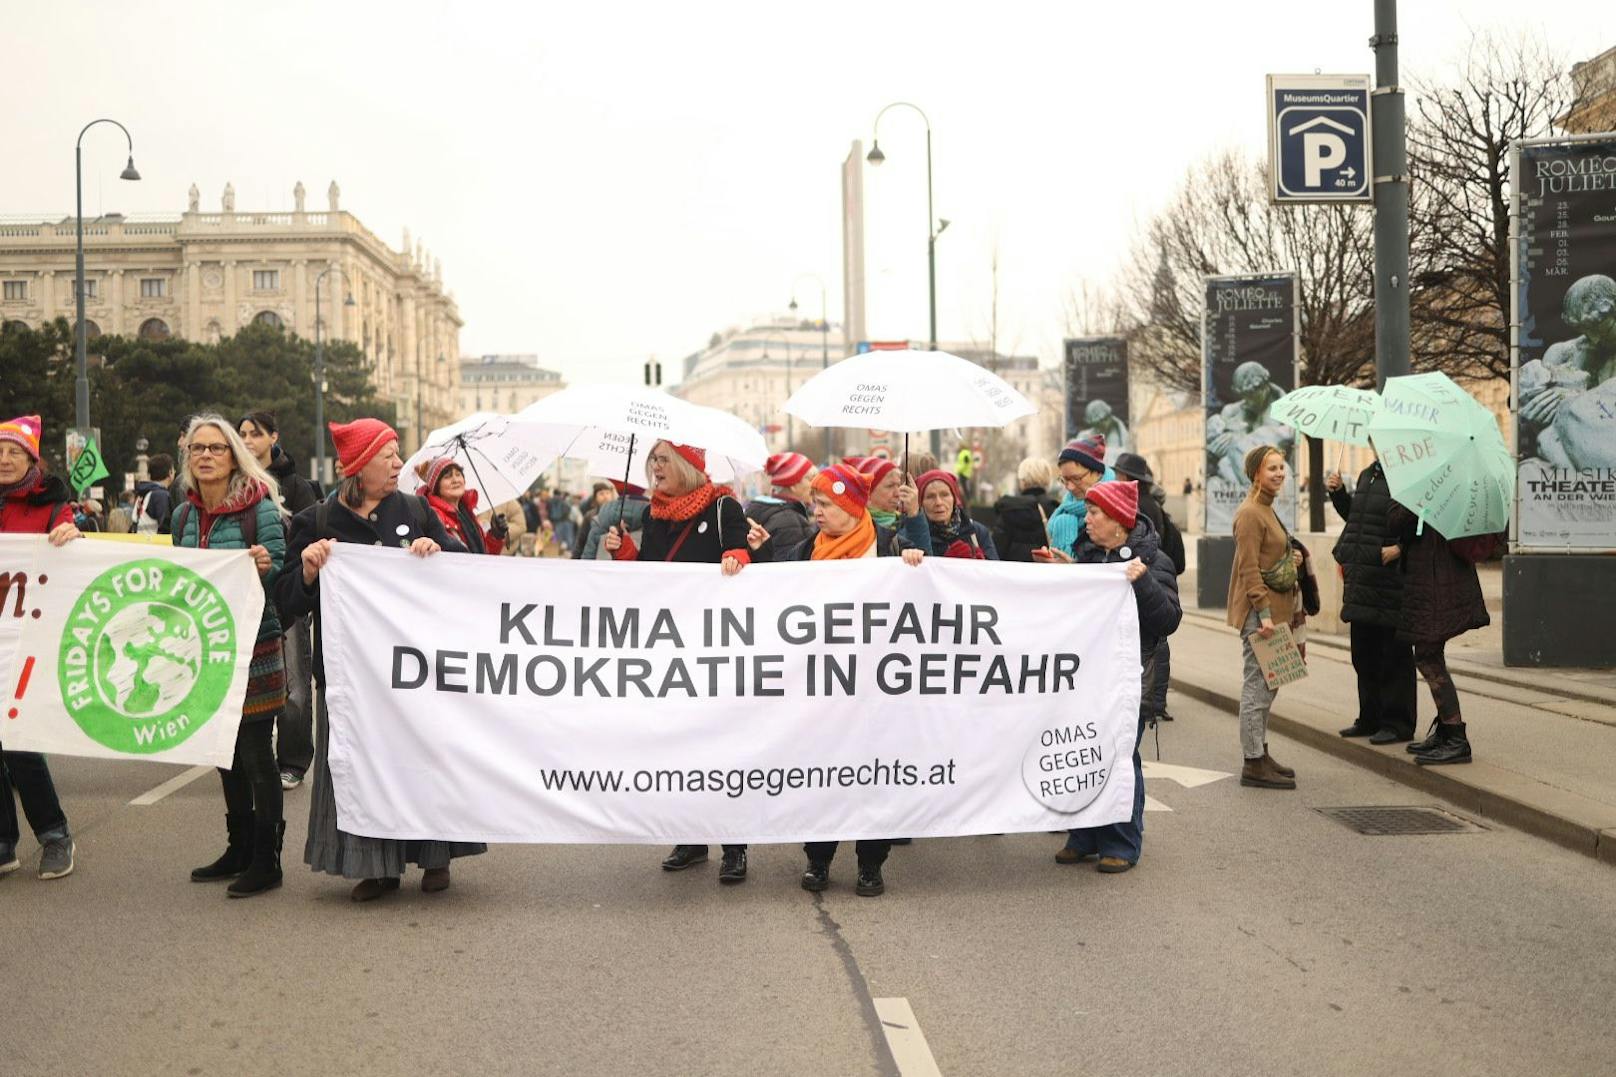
point(1022, 519)
point(228, 501)
point(1263, 592)
point(692, 520)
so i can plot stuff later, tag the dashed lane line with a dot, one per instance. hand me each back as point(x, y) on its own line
point(173, 785)
point(904, 1038)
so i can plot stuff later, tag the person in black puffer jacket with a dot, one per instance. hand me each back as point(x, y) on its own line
point(1153, 505)
point(783, 512)
point(1372, 607)
point(1022, 520)
point(1114, 533)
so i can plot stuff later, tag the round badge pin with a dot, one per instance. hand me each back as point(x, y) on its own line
point(838, 488)
point(702, 530)
point(402, 529)
point(1127, 554)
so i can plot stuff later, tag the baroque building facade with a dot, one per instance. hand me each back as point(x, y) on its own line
point(204, 275)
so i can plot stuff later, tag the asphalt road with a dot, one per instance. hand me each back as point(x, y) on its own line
point(1256, 937)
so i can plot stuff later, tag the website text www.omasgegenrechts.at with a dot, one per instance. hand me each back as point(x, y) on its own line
point(736, 782)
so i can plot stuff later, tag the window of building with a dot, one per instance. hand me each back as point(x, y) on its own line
point(90, 290)
point(266, 280)
point(269, 318)
point(154, 329)
point(16, 290)
point(153, 287)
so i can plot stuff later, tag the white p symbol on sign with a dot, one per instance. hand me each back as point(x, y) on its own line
point(1321, 150)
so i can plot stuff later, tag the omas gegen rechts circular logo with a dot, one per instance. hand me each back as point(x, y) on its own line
point(147, 656)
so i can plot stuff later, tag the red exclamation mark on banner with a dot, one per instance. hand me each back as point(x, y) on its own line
point(22, 684)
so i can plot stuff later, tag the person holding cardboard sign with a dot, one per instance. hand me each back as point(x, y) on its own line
point(1263, 592)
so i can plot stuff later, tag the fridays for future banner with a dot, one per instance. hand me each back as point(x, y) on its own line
point(125, 651)
point(583, 702)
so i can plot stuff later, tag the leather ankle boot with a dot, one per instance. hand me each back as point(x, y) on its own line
point(1455, 746)
point(1274, 763)
point(237, 854)
point(1259, 774)
point(264, 873)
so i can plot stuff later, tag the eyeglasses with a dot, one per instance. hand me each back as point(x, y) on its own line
point(198, 449)
point(661, 459)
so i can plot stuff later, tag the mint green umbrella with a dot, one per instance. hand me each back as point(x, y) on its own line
point(1329, 412)
point(1443, 455)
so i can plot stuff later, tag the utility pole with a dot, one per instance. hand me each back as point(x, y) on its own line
point(1391, 201)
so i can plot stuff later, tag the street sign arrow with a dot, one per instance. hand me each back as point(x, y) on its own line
point(1188, 777)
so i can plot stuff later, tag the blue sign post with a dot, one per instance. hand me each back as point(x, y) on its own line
point(1318, 138)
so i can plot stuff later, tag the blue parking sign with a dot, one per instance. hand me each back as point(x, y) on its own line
point(1318, 138)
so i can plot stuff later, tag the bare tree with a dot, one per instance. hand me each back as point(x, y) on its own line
point(1506, 88)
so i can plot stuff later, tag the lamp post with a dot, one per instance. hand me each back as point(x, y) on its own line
point(319, 366)
point(824, 336)
point(934, 228)
point(81, 387)
point(782, 336)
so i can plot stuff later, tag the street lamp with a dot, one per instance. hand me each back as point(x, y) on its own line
point(934, 228)
point(824, 335)
point(319, 366)
point(782, 336)
point(80, 350)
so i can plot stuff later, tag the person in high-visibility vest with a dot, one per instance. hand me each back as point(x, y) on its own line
point(964, 465)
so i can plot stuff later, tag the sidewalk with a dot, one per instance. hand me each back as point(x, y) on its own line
point(1545, 741)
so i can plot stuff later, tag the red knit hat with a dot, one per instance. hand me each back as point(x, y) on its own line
point(1118, 499)
point(358, 442)
point(939, 475)
point(846, 487)
point(24, 431)
point(432, 470)
point(875, 469)
point(696, 458)
point(787, 469)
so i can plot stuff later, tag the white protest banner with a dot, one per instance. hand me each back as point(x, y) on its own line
point(125, 651)
point(499, 699)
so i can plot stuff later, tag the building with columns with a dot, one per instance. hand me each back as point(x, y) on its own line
point(504, 383)
point(204, 275)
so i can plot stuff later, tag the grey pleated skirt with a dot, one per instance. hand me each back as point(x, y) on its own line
point(331, 851)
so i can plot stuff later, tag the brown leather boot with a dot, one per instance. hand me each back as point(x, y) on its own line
point(1272, 762)
point(1259, 773)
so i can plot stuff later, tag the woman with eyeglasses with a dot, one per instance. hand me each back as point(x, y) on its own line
point(227, 501)
point(692, 520)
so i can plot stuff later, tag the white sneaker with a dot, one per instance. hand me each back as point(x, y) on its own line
point(290, 780)
point(8, 860)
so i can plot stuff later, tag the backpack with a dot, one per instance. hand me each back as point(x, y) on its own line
point(143, 524)
point(1477, 548)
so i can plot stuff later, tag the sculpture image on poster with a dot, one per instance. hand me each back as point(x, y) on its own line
point(1566, 375)
point(1097, 391)
point(1249, 352)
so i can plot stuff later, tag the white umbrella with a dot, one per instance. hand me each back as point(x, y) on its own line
point(908, 390)
point(614, 426)
point(500, 455)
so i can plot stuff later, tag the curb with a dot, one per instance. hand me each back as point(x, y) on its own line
point(1563, 831)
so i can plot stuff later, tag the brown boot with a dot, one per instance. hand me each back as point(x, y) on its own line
point(1260, 774)
point(1272, 762)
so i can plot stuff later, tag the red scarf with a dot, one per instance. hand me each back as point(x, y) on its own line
point(687, 506)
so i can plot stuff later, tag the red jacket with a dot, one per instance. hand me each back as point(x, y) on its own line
point(39, 509)
point(462, 523)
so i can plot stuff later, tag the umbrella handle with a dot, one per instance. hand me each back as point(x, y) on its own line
point(628, 464)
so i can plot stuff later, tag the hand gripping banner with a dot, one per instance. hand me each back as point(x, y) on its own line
point(504, 700)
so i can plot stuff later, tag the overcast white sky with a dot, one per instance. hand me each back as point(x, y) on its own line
point(608, 181)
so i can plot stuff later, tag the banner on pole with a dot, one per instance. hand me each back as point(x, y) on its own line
point(1248, 351)
point(1565, 356)
point(664, 703)
point(1097, 391)
point(125, 651)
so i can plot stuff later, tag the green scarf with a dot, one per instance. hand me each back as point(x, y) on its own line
point(888, 520)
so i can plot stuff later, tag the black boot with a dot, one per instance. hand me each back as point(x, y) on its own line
point(237, 855)
point(1455, 746)
point(1432, 739)
point(264, 873)
point(733, 869)
point(684, 856)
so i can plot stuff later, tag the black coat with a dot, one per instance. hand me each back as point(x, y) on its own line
point(1019, 529)
point(396, 522)
point(719, 527)
point(1374, 592)
point(1156, 591)
point(297, 493)
point(887, 544)
point(787, 523)
point(1441, 591)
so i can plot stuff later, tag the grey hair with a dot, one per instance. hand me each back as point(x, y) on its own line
point(685, 474)
point(1035, 471)
point(247, 468)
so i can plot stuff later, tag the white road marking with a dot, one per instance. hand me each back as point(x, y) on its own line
point(904, 1038)
point(1152, 804)
point(173, 785)
point(1188, 777)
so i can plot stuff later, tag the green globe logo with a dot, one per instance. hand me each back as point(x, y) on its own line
point(147, 656)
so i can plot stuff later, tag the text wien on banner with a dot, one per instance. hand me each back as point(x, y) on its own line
point(490, 699)
point(124, 651)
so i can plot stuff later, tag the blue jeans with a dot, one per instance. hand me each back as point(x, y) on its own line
point(1124, 841)
point(28, 772)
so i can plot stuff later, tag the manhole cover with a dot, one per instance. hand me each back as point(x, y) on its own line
point(1381, 821)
